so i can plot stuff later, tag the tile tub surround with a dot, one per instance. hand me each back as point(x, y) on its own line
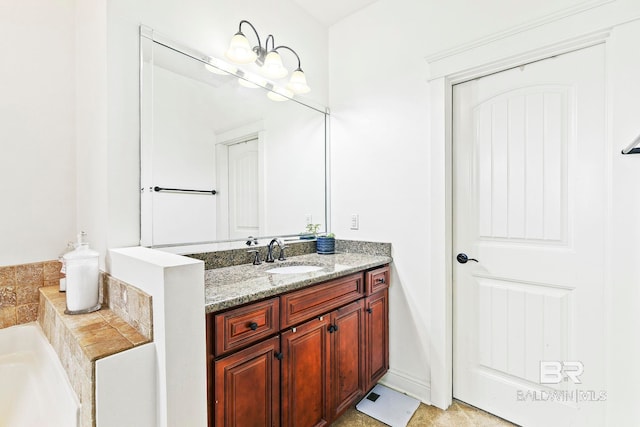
point(231, 257)
point(19, 284)
point(231, 286)
point(80, 340)
point(129, 303)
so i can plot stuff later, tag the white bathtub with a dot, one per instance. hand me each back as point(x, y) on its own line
point(34, 388)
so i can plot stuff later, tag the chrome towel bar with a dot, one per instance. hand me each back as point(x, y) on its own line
point(180, 190)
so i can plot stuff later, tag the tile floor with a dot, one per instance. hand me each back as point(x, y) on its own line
point(458, 415)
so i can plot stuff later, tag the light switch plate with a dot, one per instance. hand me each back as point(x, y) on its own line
point(355, 221)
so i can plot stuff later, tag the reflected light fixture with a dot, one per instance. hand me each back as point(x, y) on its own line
point(279, 94)
point(268, 59)
point(251, 81)
point(218, 66)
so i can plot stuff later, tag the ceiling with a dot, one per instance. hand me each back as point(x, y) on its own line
point(328, 12)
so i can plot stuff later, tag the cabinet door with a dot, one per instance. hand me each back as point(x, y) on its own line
point(347, 363)
point(377, 337)
point(247, 387)
point(305, 366)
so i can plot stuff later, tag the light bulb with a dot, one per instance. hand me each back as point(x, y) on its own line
point(240, 50)
point(298, 82)
point(273, 67)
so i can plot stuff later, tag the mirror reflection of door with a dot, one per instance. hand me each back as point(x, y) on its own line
point(241, 206)
point(243, 189)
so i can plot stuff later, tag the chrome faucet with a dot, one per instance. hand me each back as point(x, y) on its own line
point(281, 245)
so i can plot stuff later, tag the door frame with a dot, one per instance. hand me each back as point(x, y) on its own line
point(491, 55)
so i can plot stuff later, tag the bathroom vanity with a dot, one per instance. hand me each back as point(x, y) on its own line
point(295, 349)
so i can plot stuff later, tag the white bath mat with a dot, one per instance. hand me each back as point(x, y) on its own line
point(386, 405)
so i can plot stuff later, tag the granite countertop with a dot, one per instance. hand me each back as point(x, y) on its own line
point(231, 286)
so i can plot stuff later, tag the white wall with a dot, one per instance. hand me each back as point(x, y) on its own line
point(37, 135)
point(381, 158)
point(91, 121)
point(623, 292)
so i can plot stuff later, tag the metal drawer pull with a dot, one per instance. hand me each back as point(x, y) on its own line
point(253, 326)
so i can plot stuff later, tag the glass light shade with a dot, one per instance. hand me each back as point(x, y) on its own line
point(273, 67)
point(279, 94)
point(298, 82)
point(240, 50)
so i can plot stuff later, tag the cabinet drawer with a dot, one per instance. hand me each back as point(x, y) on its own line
point(245, 325)
point(377, 280)
point(304, 304)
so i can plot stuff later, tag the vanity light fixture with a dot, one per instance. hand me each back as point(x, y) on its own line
point(269, 59)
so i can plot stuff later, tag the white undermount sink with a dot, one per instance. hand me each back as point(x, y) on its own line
point(294, 269)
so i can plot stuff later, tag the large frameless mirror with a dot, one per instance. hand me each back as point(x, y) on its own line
point(221, 161)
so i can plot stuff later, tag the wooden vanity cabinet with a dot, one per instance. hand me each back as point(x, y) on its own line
point(247, 386)
point(331, 349)
point(306, 351)
point(298, 306)
point(377, 325)
point(245, 325)
point(348, 373)
point(377, 337)
point(323, 366)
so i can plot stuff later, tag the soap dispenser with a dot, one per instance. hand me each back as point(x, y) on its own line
point(82, 270)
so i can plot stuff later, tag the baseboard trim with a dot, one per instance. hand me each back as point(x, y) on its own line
point(404, 383)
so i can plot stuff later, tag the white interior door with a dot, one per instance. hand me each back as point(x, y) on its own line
point(244, 190)
point(529, 204)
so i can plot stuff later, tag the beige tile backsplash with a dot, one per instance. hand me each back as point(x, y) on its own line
point(19, 285)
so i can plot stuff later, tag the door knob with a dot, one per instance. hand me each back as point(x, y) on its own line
point(463, 258)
